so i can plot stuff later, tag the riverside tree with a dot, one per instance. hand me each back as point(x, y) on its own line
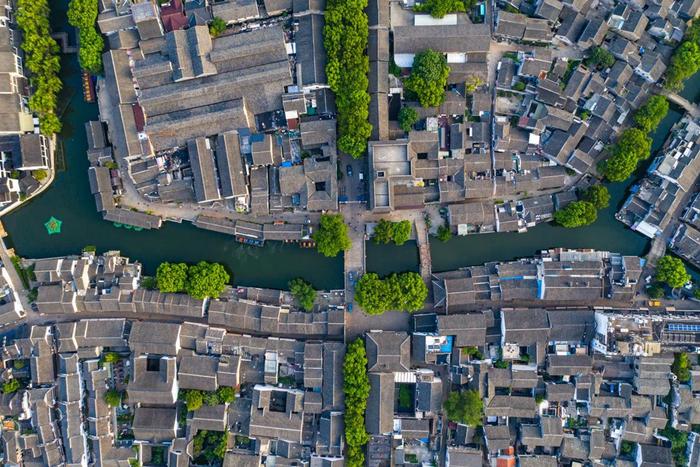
point(671, 271)
point(303, 293)
point(429, 77)
point(685, 60)
point(648, 116)
point(386, 231)
point(632, 146)
point(345, 38)
point(356, 389)
point(206, 280)
point(576, 214)
point(598, 196)
point(440, 8)
point(332, 235)
point(171, 277)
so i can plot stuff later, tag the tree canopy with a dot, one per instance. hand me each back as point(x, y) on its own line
point(440, 8)
point(671, 271)
point(681, 367)
point(82, 14)
point(685, 60)
point(576, 214)
point(465, 407)
point(429, 77)
point(599, 58)
point(194, 399)
point(386, 231)
point(402, 292)
point(10, 386)
point(648, 116)
point(407, 118)
point(206, 280)
point(171, 277)
point(303, 293)
point(632, 146)
point(356, 388)
point(444, 233)
point(598, 196)
point(332, 235)
point(345, 36)
point(42, 60)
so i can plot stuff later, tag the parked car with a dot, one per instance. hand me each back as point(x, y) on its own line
point(349, 170)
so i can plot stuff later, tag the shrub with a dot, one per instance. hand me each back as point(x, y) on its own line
point(226, 394)
point(440, 8)
point(193, 399)
point(39, 175)
point(599, 58)
point(217, 26)
point(444, 233)
point(681, 367)
point(113, 398)
point(10, 386)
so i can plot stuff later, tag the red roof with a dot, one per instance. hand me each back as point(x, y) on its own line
point(139, 118)
point(172, 16)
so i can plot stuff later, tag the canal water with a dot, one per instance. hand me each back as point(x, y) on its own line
point(69, 200)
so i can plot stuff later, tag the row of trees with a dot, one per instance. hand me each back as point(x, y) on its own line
point(402, 292)
point(440, 8)
point(428, 77)
point(585, 211)
point(345, 39)
point(356, 388)
point(387, 231)
point(199, 281)
point(82, 14)
point(42, 60)
point(685, 61)
point(332, 235)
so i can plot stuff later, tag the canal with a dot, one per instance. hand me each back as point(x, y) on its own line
point(69, 200)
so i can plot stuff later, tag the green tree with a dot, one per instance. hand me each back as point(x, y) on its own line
point(90, 51)
point(472, 83)
point(206, 280)
point(407, 118)
point(648, 116)
point(632, 146)
point(10, 386)
point(465, 407)
point(656, 290)
point(440, 8)
point(171, 277)
point(598, 196)
point(429, 77)
point(402, 292)
point(226, 394)
point(356, 388)
point(193, 399)
point(217, 26)
point(444, 233)
point(681, 367)
point(332, 235)
point(671, 271)
point(383, 232)
point(345, 37)
point(210, 398)
point(679, 444)
point(401, 231)
point(113, 397)
point(685, 60)
point(576, 214)
point(303, 293)
point(599, 58)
